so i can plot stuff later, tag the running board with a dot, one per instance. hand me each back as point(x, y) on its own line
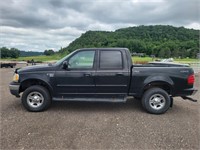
point(112, 100)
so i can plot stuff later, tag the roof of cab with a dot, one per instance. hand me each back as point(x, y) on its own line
point(113, 48)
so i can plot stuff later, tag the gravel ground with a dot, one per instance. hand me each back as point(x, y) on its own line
point(82, 125)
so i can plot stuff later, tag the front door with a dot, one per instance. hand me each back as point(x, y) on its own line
point(78, 79)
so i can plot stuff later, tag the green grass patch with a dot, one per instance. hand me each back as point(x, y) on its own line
point(136, 59)
point(187, 60)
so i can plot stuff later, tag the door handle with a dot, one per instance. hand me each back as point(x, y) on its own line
point(119, 74)
point(87, 74)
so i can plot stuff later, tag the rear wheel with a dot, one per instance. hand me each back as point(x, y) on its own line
point(36, 98)
point(156, 101)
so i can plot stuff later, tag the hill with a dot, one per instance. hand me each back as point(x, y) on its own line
point(160, 40)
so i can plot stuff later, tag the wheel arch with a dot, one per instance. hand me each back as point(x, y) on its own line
point(162, 81)
point(159, 84)
point(35, 81)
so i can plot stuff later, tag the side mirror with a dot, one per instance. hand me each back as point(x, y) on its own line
point(65, 65)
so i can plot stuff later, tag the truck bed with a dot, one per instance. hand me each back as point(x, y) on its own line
point(161, 64)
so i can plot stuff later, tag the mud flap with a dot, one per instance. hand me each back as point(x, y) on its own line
point(172, 101)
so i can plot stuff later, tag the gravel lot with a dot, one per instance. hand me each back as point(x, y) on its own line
point(83, 125)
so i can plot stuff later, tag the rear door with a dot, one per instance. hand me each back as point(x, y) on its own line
point(112, 73)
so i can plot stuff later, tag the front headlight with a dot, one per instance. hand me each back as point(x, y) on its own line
point(16, 77)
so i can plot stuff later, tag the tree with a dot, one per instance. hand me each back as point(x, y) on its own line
point(167, 53)
point(175, 53)
point(193, 53)
point(183, 53)
point(161, 53)
point(6, 53)
point(49, 52)
point(14, 53)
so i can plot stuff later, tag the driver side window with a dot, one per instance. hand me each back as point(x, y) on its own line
point(82, 60)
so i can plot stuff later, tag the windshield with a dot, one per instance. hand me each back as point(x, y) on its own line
point(63, 59)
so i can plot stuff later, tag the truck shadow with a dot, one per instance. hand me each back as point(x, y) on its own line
point(131, 104)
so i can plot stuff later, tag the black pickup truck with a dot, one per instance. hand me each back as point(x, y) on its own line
point(103, 75)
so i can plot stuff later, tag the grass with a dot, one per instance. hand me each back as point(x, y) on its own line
point(187, 60)
point(141, 60)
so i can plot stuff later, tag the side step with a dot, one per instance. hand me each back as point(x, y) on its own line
point(112, 100)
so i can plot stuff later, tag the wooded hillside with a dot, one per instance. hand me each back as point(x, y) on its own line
point(162, 41)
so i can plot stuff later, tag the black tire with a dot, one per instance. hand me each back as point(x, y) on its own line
point(156, 101)
point(36, 98)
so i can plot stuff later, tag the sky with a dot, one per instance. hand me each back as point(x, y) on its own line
point(37, 25)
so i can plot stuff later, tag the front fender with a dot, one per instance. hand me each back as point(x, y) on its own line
point(44, 78)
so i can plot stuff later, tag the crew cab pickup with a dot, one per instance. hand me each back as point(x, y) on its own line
point(103, 75)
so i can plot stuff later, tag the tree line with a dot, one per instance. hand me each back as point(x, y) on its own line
point(30, 53)
point(15, 53)
point(49, 52)
point(159, 40)
point(9, 53)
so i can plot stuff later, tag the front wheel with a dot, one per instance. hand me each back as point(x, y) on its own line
point(156, 101)
point(36, 98)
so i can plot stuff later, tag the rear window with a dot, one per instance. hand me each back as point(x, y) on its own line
point(110, 59)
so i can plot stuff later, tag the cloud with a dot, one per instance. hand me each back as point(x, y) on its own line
point(44, 24)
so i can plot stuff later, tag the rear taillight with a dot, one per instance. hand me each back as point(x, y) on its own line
point(191, 79)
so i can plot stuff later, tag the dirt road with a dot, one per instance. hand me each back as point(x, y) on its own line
point(82, 125)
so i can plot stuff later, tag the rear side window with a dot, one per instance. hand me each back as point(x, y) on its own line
point(110, 59)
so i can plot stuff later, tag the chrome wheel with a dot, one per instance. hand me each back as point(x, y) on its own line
point(35, 99)
point(157, 101)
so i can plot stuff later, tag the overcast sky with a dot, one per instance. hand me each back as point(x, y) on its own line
point(50, 24)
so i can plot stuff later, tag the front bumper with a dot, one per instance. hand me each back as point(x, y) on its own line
point(14, 88)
